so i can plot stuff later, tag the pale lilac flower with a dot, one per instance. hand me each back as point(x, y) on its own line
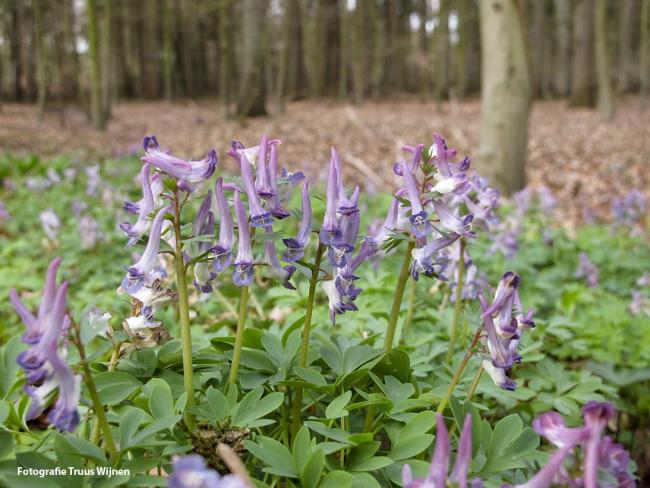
point(340, 249)
point(596, 415)
point(437, 476)
point(498, 376)
point(330, 231)
point(420, 224)
point(51, 224)
point(53, 176)
point(345, 205)
point(262, 182)
point(551, 426)
point(587, 270)
point(547, 201)
point(204, 226)
point(259, 216)
point(155, 184)
point(274, 269)
point(461, 226)
point(423, 258)
point(144, 208)
point(4, 213)
point(388, 227)
point(296, 246)
point(148, 268)
point(191, 472)
point(78, 208)
point(186, 172)
point(639, 304)
point(88, 232)
point(222, 251)
point(629, 209)
point(242, 274)
point(93, 179)
point(615, 460)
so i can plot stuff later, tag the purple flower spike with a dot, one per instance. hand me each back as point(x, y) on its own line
point(64, 415)
point(498, 347)
point(464, 455)
point(262, 183)
point(596, 415)
point(296, 247)
point(145, 207)
point(242, 275)
point(222, 251)
point(345, 205)
point(504, 300)
point(330, 231)
point(423, 257)
point(461, 226)
point(259, 216)
point(339, 250)
point(420, 224)
point(184, 171)
point(551, 426)
point(148, 268)
point(587, 270)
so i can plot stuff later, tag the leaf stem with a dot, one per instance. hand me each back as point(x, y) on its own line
point(239, 337)
point(397, 299)
point(184, 314)
point(458, 304)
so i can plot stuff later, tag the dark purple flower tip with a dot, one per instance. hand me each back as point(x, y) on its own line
point(203, 288)
point(242, 274)
point(150, 143)
point(397, 169)
point(222, 258)
point(295, 250)
point(329, 236)
point(293, 179)
point(131, 207)
point(465, 164)
point(30, 359)
point(289, 270)
point(64, 420)
point(594, 411)
point(420, 224)
point(338, 254)
point(262, 220)
point(211, 164)
point(279, 212)
point(32, 336)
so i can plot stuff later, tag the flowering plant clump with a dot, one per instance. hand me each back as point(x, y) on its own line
point(206, 373)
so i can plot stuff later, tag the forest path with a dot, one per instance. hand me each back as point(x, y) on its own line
point(585, 162)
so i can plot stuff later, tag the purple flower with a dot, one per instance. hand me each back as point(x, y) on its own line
point(330, 231)
point(93, 179)
point(349, 227)
point(191, 472)
point(222, 254)
point(148, 268)
point(262, 183)
point(504, 301)
point(187, 172)
point(388, 227)
point(204, 226)
point(275, 270)
point(587, 270)
point(88, 232)
point(259, 216)
point(461, 226)
point(437, 476)
point(51, 224)
point(456, 184)
point(596, 415)
point(629, 209)
point(242, 275)
point(551, 426)
point(345, 205)
point(145, 207)
point(423, 261)
point(615, 460)
point(44, 361)
point(155, 183)
point(420, 224)
point(296, 247)
point(275, 201)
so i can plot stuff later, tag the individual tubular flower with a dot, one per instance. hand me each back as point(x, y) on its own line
point(473, 282)
point(419, 218)
point(587, 271)
point(88, 232)
point(423, 262)
point(336, 304)
point(340, 249)
point(615, 460)
point(453, 184)
point(461, 226)
point(148, 268)
point(551, 426)
point(504, 301)
point(44, 362)
point(262, 183)
point(204, 226)
point(156, 185)
point(191, 472)
point(437, 476)
point(296, 246)
point(330, 231)
point(290, 179)
point(498, 376)
point(345, 205)
point(242, 274)
point(596, 415)
point(51, 224)
point(275, 270)
point(222, 251)
point(144, 206)
point(187, 172)
point(259, 216)
point(388, 227)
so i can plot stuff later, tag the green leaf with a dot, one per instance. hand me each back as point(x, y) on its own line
point(313, 469)
point(115, 386)
point(161, 402)
point(9, 368)
point(337, 479)
point(129, 423)
point(371, 464)
point(407, 447)
point(252, 407)
point(274, 455)
point(336, 408)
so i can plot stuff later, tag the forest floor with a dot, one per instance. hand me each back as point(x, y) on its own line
point(585, 162)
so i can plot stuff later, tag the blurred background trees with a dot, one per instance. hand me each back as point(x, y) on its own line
point(257, 55)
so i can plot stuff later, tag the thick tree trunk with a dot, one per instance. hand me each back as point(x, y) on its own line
point(626, 49)
point(562, 47)
point(292, 52)
point(168, 48)
point(97, 114)
point(344, 45)
point(41, 57)
point(505, 95)
point(252, 86)
point(644, 49)
point(357, 52)
point(423, 51)
point(603, 70)
point(441, 63)
point(583, 55)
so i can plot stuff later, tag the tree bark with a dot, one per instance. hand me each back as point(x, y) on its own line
point(441, 64)
point(168, 49)
point(344, 45)
point(252, 95)
point(97, 114)
point(537, 43)
point(505, 95)
point(562, 47)
point(644, 49)
point(583, 55)
point(603, 70)
point(626, 49)
point(41, 57)
point(423, 51)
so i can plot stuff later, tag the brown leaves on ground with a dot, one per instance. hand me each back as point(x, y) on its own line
point(585, 162)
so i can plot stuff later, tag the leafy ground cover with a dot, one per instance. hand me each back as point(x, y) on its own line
point(364, 410)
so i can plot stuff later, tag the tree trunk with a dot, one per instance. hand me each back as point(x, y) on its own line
point(151, 75)
point(562, 47)
point(603, 70)
point(344, 44)
point(505, 95)
point(188, 45)
point(252, 86)
point(225, 55)
point(107, 45)
point(168, 48)
point(97, 114)
point(423, 51)
point(313, 21)
point(378, 42)
point(537, 43)
point(292, 50)
point(626, 66)
point(441, 64)
point(358, 61)
point(583, 55)
point(644, 49)
point(41, 57)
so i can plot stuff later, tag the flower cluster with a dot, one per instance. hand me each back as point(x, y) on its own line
point(604, 462)
point(191, 472)
point(629, 209)
point(640, 302)
point(504, 322)
point(587, 271)
point(437, 476)
point(45, 362)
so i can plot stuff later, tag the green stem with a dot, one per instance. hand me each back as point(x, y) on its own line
point(459, 372)
point(306, 330)
point(397, 300)
point(410, 309)
point(239, 338)
point(184, 313)
point(98, 407)
point(477, 378)
point(458, 305)
point(111, 367)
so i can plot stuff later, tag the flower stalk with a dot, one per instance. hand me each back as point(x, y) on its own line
point(184, 313)
point(397, 300)
point(458, 304)
point(239, 338)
